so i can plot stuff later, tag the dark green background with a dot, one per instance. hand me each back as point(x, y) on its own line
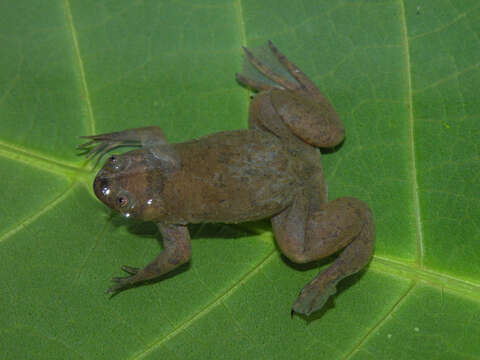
point(403, 75)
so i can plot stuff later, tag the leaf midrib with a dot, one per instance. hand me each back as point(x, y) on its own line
point(44, 162)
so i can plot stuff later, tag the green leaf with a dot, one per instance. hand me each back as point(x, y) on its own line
point(403, 75)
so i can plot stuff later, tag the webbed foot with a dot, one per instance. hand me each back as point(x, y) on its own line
point(103, 143)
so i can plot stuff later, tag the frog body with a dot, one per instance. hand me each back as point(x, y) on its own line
point(272, 170)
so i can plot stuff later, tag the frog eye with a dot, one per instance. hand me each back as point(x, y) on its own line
point(122, 201)
point(115, 162)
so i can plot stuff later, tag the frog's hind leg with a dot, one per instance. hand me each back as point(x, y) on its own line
point(324, 128)
point(303, 108)
point(307, 233)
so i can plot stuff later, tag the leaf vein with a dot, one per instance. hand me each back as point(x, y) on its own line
point(431, 277)
point(41, 161)
point(30, 219)
point(413, 165)
point(79, 60)
point(205, 310)
point(380, 323)
point(241, 21)
point(444, 26)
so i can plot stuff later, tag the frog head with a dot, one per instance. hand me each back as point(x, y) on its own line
point(131, 184)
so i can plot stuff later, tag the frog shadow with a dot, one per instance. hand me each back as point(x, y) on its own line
point(333, 149)
point(149, 231)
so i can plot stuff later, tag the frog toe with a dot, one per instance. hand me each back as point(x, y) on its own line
point(122, 283)
point(130, 269)
point(254, 84)
point(98, 146)
point(119, 285)
point(263, 68)
point(114, 289)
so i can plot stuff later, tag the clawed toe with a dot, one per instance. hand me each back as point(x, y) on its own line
point(129, 269)
point(123, 283)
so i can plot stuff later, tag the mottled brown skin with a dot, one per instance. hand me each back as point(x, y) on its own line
point(273, 170)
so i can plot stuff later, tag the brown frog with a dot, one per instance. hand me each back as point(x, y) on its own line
point(272, 170)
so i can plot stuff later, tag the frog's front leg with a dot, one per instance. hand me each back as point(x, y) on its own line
point(103, 143)
point(177, 251)
point(306, 232)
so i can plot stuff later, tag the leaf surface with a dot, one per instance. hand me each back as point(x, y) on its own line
point(403, 75)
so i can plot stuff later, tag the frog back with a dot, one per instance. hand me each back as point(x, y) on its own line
point(231, 177)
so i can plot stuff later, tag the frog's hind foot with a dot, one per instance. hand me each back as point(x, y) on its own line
point(293, 78)
point(279, 81)
point(302, 79)
point(299, 80)
point(101, 144)
point(251, 83)
point(99, 149)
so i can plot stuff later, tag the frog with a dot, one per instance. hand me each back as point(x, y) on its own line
point(272, 170)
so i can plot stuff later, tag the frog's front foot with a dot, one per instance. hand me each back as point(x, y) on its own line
point(313, 296)
point(122, 283)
